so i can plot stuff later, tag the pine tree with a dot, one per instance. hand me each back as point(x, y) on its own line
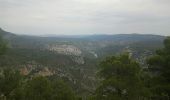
point(121, 79)
point(159, 66)
point(3, 46)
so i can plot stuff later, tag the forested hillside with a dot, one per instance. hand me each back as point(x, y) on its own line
point(73, 62)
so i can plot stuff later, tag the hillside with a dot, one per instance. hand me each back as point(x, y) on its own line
point(73, 58)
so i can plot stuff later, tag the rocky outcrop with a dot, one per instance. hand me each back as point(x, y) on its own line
point(79, 60)
point(24, 71)
point(65, 49)
point(71, 50)
point(45, 72)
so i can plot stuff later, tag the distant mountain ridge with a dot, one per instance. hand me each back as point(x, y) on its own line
point(100, 36)
point(114, 38)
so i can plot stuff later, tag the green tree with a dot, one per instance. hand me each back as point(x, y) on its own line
point(9, 81)
point(121, 79)
point(159, 66)
point(38, 88)
point(41, 88)
point(3, 46)
point(61, 91)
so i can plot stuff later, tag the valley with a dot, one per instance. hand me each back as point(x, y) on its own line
point(73, 59)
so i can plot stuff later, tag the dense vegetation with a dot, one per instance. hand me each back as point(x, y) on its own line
point(118, 77)
point(121, 79)
point(3, 45)
point(159, 66)
point(14, 86)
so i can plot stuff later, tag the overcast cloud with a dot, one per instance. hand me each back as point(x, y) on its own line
point(38, 17)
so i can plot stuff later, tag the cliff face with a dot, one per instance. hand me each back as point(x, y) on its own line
point(71, 50)
point(65, 49)
point(45, 72)
point(36, 70)
point(24, 71)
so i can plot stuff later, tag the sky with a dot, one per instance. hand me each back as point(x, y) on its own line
point(80, 17)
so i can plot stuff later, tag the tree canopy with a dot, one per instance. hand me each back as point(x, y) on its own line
point(3, 45)
point(14, 86)
point(159, 66)
point(121, 79)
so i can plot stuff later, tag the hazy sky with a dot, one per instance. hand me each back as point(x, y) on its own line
point(37, 17)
